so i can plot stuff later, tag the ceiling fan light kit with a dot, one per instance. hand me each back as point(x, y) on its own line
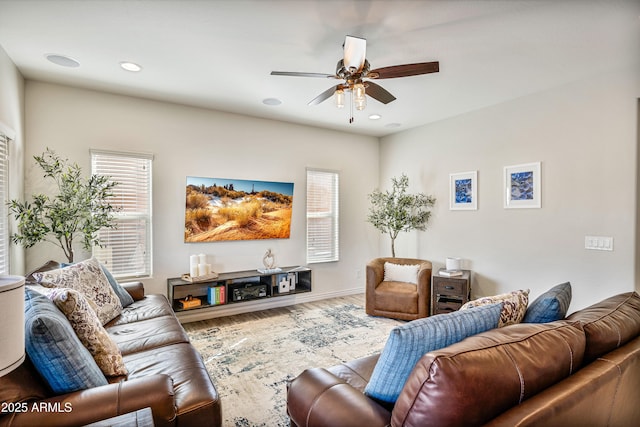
point(338, 96)
point(354, 69)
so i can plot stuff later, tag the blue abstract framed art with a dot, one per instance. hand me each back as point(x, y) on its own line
point(463, 191)
point(522, 187)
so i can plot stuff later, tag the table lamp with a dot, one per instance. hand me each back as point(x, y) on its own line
point(11, 323)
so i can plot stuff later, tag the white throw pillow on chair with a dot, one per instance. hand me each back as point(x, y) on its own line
point(401, 272)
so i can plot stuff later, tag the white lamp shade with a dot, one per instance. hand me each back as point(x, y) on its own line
point(11, 323)
point(453, 263)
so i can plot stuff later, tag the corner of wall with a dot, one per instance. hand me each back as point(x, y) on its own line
point(12, 112)
point(637, 196)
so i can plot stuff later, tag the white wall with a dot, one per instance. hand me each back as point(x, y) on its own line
point(585, 136)
point(190, 141)
point(12, 121)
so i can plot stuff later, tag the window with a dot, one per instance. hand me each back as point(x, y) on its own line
point(4, 198)
point(322, 216)
point(126, 250)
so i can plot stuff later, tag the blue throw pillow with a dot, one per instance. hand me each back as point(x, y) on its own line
point(409, 342)
point(55, 350)
point(125, 298)
point(550, 306)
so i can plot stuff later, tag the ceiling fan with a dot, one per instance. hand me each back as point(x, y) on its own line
point(354, 69)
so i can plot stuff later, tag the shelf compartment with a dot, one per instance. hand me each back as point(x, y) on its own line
point(238, 287)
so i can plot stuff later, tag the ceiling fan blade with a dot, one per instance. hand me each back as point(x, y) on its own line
point(405, 70)
point(323, 96)
point(379, 93)
point(297, 74)
point(355, 50)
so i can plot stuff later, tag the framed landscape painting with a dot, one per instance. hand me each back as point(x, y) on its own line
point(219, 209)
point(463, 191)
point(522, 188)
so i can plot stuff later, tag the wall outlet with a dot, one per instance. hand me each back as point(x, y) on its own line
point(358, 274)
point(598, 243)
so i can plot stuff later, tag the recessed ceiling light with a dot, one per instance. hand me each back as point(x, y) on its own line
point(130, 66)
point(62, 60)
point(392, 125)
point(271, 101)
point(375, 117)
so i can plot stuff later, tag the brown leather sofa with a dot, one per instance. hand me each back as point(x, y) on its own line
point(398, 300)
point(166, 374)
point(581, 371)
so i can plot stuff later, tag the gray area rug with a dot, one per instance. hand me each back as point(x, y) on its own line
point(251, 356)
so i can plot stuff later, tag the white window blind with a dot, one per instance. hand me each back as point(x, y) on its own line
point(322, 216)
point(126, 250)
point(4, 198)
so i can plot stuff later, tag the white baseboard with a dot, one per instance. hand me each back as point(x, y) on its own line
point(261, 304)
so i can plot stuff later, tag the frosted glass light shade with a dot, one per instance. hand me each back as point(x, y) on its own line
point(359, 98)
point(12, 324)
point(339, 98)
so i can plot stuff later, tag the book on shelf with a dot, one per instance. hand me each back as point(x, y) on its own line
point(450, 273)
point(216, 295)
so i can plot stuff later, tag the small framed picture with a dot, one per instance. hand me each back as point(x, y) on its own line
point(463, 191)
point(522, 188)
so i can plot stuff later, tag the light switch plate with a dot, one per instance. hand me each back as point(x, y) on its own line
point(598, 243)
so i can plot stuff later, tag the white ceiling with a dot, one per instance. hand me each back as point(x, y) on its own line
point(218, 54)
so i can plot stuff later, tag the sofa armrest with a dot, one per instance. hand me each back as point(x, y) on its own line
point(100, 403)
point(317, 398)
point(135, 289)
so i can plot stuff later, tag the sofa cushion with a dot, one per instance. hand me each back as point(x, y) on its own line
point(609, 324)
point(401, 272)
point(514, 305)
point(55, 350)
point(409, 342)
point(550, 306)
point(357, 372)
point(89, 330)
point(150, 307)
point(482, 376)
point(397, 297)
point(85, 277)
point(147, 334)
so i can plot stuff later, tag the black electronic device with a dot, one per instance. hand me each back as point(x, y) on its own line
point(243, 292)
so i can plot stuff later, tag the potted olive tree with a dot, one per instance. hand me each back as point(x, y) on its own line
point(394, 211)
point(79, 209)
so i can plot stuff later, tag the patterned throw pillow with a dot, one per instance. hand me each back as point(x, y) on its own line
point(89, 330)
point(87, 278)
point(55, 350)
point(401, 272)
point(550, 306)
point(125, 299)
point(407, 343)
point(514, 306)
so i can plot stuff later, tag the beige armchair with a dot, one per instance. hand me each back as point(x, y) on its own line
point(398, 300)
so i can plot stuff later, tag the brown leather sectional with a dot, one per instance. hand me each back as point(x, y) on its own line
point(581, 371)
point(166, 373)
